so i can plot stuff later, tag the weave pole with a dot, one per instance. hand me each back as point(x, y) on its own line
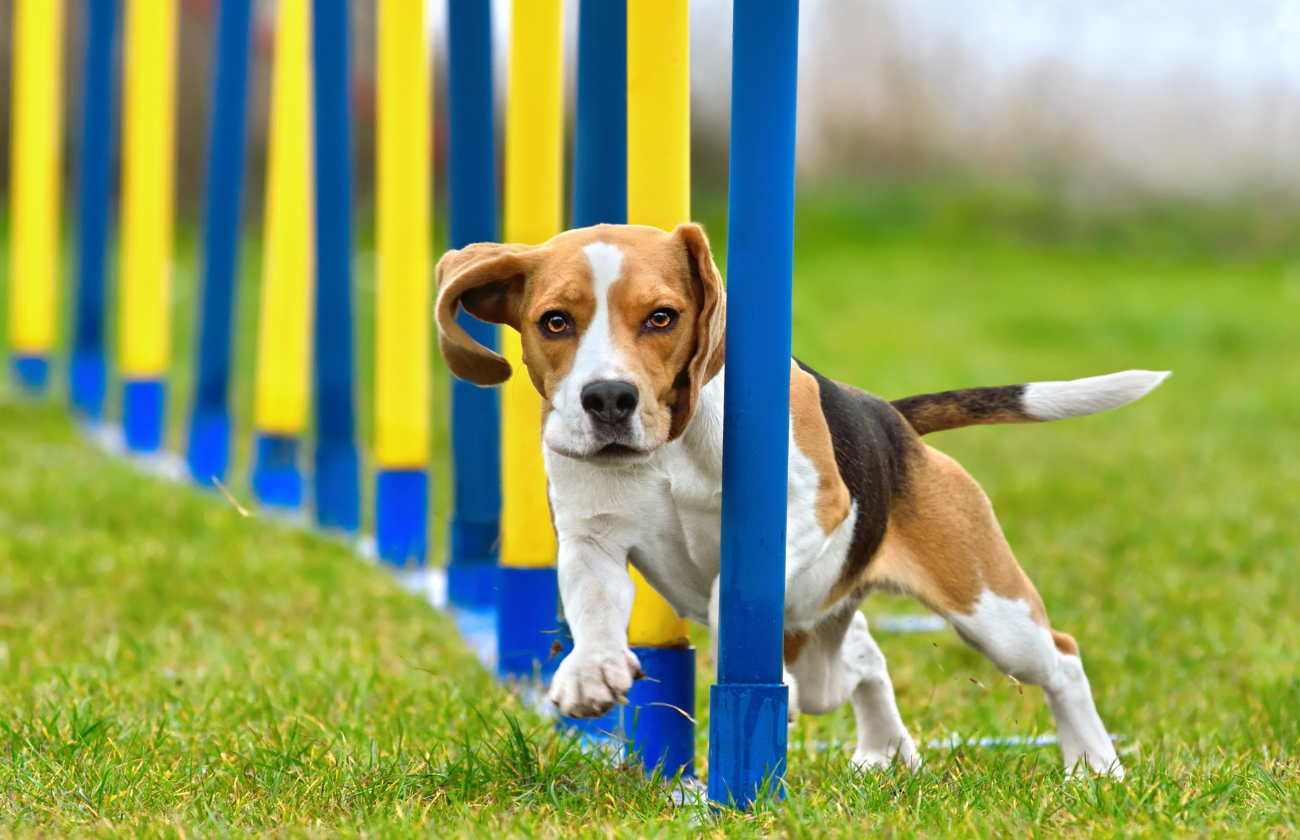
point(659, 713)
point(475, 415)
point(528, 593)
point(338, 504)
point(284, 319)
point(600, 182)
point(402, 305)
point(600, 116)
point(88, 368)
point(748, 705)
point(148, 172)
point(208, 446)
point(35, 160)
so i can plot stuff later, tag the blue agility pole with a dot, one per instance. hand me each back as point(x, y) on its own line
point(208, 449)
point(748, 706)
point(600, 119)
point(88, 370)
point(600, 180)
point(337, 477)
point(633, 80)
point(475, 413)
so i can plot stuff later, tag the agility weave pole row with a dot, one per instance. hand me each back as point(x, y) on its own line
point(636, 124)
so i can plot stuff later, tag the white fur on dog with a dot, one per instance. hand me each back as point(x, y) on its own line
point(1077, 397)
point(568, 428)
point(1004, 630)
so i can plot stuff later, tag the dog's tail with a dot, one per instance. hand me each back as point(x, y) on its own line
point(1036, 402)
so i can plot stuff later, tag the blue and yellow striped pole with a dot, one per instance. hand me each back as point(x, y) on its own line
point(148, 161)
point(288, 258)
point(402, 305)
point(36, 142)
point(528, 593)
point(660, 709)
point(472, 217)
point(88, 368)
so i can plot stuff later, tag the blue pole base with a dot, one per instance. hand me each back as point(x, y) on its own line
point(472, 566)
point(338, 503)
point(277, 481)
point(87, 385)
point(402, 517)
point(32, 373)
point(143, 401)
point(527, 622)
point(650, 726)
point(208, 449)
point(471, 584)
point(663, 737)
point(748, 725)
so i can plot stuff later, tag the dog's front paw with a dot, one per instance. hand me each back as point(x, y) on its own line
point(587, 685)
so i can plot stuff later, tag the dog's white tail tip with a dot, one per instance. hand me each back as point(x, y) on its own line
point(1078, 397)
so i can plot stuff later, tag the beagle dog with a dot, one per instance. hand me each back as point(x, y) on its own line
point(622, 334)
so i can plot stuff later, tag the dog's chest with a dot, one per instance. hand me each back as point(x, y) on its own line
point(677, 539)
point(667, 514)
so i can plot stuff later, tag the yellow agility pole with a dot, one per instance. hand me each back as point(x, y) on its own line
point(402, 332)
point(36, 140)
point(528, 593)
point(148, 184)
point(658, 193)
point(288, 258)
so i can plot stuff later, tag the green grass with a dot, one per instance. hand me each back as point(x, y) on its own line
point(168, 667)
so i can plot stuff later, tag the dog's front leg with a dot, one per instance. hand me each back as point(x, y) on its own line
point(597, 592)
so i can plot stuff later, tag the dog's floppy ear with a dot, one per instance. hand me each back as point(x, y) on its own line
point(710, 325)
point(488, 280)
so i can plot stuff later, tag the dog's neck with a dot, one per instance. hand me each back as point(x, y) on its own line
point(702, 438)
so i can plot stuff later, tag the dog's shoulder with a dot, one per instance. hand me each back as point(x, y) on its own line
point(873, 443)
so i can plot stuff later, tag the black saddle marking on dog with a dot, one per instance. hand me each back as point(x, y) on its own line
point(873, 446)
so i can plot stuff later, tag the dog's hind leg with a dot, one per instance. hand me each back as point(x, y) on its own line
point(837, 662)
point(1025, 649)
point(945, 547)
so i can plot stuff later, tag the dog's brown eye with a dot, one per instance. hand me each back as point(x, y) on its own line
point(555, 323)
point(661, 319)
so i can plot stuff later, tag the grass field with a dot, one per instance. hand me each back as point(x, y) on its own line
point(170, 668)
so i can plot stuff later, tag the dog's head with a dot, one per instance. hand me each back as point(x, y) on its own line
point(621, 326)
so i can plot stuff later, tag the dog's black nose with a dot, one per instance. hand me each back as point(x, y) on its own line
point(609, 401)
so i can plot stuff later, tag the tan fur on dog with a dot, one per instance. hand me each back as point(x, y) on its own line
point(813, 438)
point(944, 546)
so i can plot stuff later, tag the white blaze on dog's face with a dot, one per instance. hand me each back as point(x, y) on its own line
point(620, 325)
